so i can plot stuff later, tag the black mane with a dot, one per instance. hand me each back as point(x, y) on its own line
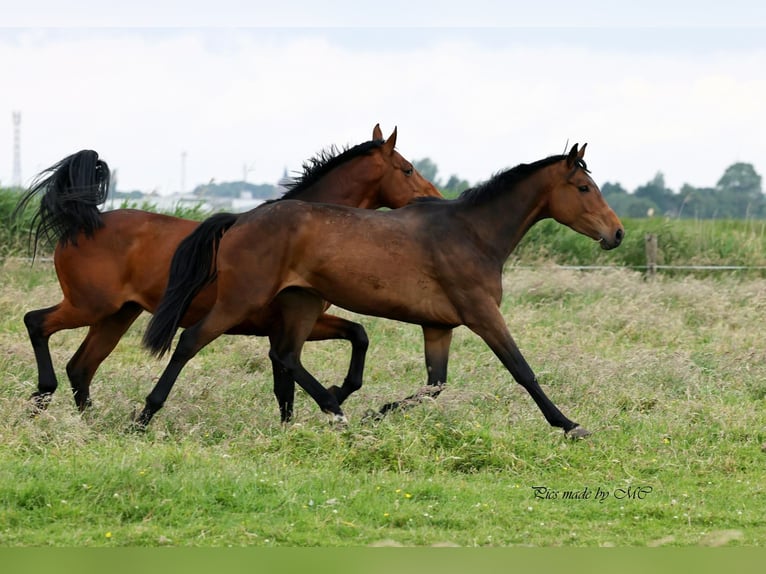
point(324, 162)
point(509, 178)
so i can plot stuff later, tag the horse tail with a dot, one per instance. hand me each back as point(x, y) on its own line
point(70, 192)
point(192, 268)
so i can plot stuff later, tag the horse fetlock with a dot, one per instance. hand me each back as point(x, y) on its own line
point(340, 393)
point(372, 416)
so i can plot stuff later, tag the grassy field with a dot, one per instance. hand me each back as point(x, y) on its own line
point(670, 374)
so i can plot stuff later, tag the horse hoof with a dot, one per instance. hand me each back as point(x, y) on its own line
point(136, 427)
point(339, 421)
point(577, 433)
point(138, 423)
point(40, 402)
point(85, 405)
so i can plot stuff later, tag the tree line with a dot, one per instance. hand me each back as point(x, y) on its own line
point(738, 194)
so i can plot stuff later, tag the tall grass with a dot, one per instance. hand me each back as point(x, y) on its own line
point(669, 374)
point(681, 242)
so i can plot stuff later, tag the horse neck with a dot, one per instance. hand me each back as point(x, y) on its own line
point(350, 184)
point(502, 219)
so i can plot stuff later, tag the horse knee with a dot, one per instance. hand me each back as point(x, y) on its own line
point(33, 321)
point(358, 336)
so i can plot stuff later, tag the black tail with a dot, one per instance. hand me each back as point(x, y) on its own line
point(192, 268)
point(71, 192)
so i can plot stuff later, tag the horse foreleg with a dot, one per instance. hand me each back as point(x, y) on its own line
point(100, 341)
point(493, 330)
point(332, 327)
point(437, 343)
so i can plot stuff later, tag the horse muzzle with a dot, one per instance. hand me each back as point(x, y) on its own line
point(613, 240)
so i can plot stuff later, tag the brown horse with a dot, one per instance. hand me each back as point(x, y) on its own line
point(111, 266)
point(434, 263)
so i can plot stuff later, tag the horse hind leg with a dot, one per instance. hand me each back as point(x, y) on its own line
point(327, 327)
point(284, 384)
point(300, 311)
point(100, 341)
point(219, 320)
point(36, 323)
point(436, 346)
point(332, 327)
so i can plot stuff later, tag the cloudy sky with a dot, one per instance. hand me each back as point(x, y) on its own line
point(251, 89)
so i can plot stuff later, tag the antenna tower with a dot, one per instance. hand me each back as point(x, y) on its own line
point(17, 149)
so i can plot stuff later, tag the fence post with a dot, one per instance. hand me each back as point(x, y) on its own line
point(650, 241)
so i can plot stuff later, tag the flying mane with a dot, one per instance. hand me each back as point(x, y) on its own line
point(325, 161)
point(508, 179)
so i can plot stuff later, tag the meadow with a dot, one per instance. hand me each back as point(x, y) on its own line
point(669, 373)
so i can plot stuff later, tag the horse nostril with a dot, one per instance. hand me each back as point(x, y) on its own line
point(618, 236)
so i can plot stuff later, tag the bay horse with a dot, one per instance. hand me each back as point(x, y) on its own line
point(435, 263)
point(113, 265)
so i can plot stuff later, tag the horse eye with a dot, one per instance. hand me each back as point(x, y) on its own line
point(583, 188)
point(408, 171)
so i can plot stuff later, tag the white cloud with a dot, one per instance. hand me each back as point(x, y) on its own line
point(473, 101)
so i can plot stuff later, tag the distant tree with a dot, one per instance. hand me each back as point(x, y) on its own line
point(454, 186)
point(740, 192)
point(427, 169)
point(698, 202)
point(612, 190)
point(627, 204)
point(656, 192)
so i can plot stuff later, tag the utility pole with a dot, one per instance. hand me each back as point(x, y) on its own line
point(183, 172)
point(16, 149)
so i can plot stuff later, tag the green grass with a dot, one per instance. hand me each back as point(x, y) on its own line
point(669, 374)
point(680, 242)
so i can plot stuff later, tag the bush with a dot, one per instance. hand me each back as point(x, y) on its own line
point(14, 233)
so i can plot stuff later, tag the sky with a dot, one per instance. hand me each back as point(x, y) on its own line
point(179, 93)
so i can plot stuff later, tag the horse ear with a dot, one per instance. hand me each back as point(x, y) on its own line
point(388, 147)
point(573, 156)
point(582, 151)
point(377, 133)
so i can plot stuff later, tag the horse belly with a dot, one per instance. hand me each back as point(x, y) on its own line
point(390, 287)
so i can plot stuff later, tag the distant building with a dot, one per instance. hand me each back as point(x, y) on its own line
point(245, 202)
